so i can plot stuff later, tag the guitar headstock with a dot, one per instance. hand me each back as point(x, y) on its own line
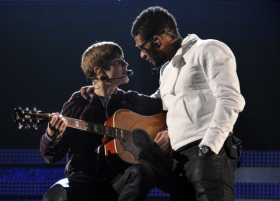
point(27, 118)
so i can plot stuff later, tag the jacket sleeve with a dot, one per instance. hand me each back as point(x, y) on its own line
point(156, 94)
point(54, 150)
point(143, 104)
point(219, 67)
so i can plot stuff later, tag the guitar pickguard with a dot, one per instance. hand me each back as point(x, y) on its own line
point(131, 147)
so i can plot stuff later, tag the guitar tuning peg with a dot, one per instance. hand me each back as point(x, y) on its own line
point(27, 126)
point(27, 109)
point(35, 110)
point(35, 126)
point(19, 108)
point(17, 116)
point(20, 125)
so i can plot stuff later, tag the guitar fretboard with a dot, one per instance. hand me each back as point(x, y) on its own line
point(99, 129)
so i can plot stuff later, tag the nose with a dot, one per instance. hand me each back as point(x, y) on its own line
point(143, 55)
point(125, 64)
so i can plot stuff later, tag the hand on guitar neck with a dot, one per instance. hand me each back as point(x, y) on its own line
point(56, 126)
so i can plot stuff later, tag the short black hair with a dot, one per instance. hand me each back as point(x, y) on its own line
point(153, 20)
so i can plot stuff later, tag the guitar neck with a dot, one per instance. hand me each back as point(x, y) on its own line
point(99, 129)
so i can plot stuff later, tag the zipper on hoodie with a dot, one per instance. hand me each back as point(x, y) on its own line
point(105, 105)
point(98, 148)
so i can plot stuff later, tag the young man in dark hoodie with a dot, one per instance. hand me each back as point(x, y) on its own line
point(88, 175)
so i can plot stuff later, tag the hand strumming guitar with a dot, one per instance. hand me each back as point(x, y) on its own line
point(56, 126)
point(163, 141)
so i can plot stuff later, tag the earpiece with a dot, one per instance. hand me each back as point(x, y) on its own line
point(157, 42)
point(102, 77)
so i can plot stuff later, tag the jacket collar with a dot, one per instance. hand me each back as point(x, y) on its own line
point(178, 60)
point(95, 98)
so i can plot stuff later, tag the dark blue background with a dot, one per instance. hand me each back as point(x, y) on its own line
point(41, 43)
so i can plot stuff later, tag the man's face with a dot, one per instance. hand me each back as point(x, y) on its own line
point(117, 68)
point(150, 52)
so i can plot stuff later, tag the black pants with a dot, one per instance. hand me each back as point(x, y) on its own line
point(133, 185)
point(138, 180)
point(204, 178)
point(207, 178)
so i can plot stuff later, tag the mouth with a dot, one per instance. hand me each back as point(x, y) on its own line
point(150, 61)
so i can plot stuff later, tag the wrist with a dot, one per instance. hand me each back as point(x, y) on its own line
point(52, 137)
point(205, 151)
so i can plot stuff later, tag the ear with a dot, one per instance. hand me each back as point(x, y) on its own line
point(97, 70)
point(158, 41)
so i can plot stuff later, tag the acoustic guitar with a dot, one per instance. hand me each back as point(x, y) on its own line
point(127, 135)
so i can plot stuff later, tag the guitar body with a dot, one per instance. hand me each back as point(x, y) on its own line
point(144, 129)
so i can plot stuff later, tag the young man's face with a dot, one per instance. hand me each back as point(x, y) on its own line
point(117, 70)
point(150, 52)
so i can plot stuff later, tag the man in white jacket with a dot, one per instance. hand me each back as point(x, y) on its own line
point(201, 94)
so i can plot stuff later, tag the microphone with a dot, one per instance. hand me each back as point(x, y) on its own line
point(128, 73)
point(154, 70)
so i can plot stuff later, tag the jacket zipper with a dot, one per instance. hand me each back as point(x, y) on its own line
point(98, 148)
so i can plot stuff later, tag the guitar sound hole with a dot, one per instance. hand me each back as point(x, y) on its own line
point(141, 138)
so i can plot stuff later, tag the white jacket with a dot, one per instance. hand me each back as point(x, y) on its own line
point(200, 90)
